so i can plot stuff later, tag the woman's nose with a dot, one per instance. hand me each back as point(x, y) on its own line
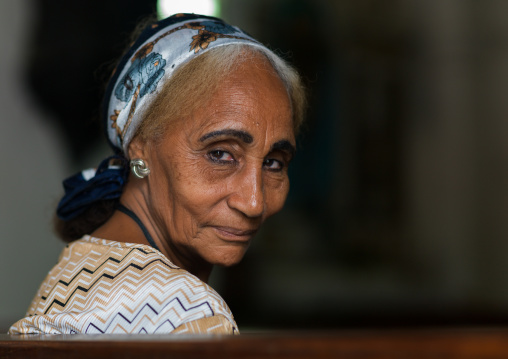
point(248, 193)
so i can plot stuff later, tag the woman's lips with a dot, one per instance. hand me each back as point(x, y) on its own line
point(235, 234)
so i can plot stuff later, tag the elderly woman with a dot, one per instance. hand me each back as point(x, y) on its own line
point(205, 117)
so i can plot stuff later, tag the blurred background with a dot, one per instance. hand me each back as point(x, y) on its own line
point(397, 214)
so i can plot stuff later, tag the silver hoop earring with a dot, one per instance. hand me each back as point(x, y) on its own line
point(139, 168)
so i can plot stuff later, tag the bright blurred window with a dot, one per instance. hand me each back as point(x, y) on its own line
point(167, 8)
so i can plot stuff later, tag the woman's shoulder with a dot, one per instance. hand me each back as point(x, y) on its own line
point(142, 260)
point(88, 242)
point(105, 259)
point(102, 286)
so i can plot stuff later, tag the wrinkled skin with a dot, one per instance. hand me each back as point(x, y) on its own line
point(216, 176)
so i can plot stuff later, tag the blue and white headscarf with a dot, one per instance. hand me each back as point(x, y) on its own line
point(138, 79)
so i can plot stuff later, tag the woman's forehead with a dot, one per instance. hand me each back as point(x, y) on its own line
point(252, 94)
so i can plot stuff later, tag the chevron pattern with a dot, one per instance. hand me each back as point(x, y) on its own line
point(101, 286)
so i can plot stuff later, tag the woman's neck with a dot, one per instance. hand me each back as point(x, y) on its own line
point(123, 228)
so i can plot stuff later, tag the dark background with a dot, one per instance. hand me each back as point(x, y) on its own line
point(399, 192)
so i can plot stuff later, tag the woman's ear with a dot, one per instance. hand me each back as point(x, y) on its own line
point(137, 148)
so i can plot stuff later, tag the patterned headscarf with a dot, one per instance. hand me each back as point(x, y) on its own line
point(160, 49)
point(151, 61)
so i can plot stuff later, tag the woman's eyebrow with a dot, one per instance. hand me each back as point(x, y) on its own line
point(284, 145)
point(242, 135)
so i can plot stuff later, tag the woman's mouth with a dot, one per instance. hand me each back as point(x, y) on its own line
point(234, 234)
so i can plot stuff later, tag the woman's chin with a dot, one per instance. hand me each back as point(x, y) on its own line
point(229, 258)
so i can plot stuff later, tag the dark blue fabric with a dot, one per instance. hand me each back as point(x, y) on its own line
point(81, 194)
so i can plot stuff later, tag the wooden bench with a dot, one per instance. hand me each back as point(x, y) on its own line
point(392, 344)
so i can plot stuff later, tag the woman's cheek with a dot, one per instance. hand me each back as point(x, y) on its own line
point(205, 183)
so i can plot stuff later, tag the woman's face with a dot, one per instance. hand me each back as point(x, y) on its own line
point(218, 174)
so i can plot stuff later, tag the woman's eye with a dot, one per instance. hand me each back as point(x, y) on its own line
point(273, 165)
point(220, 156)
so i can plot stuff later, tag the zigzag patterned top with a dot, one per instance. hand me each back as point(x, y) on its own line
point(101, 286)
